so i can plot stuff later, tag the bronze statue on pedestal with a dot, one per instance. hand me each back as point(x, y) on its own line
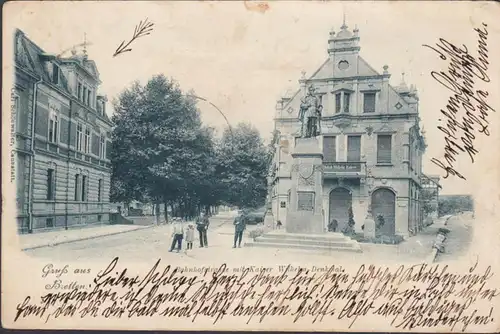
point(310, 114)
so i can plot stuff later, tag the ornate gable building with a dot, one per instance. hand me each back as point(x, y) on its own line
point(62, 140)
point(370, 137)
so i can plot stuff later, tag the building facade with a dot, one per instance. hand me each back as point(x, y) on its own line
point(62, 140)
point(371, 141)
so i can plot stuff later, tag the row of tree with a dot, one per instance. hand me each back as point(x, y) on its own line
point(163, 154)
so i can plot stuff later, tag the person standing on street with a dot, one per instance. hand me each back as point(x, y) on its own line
point(190, 236)
point(202, 224)
point(240, 224)
point(177, 235)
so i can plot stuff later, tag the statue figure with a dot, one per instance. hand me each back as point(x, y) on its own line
point(310, 114)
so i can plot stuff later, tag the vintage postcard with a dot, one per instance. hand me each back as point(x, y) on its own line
point(286, 166)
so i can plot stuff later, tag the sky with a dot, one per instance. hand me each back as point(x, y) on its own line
point(243, 60)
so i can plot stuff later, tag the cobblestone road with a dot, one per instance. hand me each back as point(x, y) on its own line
point(153, 243)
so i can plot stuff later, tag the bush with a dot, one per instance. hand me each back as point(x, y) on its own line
point(380, 222)
point(349, 229)
point(380, 239)
point(253, 234)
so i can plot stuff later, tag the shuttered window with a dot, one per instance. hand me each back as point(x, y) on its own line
point(384, 148)
point(329, 151)
point(369, 102)
point(354, 148)
point(338, 102)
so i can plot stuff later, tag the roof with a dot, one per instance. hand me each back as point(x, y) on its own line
point(30, 57)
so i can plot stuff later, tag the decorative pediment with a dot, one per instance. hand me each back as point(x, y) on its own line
point(385, 129)
point(343, 87)
point(91, 67)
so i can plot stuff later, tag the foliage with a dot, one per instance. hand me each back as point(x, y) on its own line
point(242, 167)
point(349, 229)
point(162, 153)
point(380, 222)
point(452, 204)
point(380, 239)
point(426, 198)
point(253, 234)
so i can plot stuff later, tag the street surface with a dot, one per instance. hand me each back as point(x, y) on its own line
point(459, 238)
point(153, 243)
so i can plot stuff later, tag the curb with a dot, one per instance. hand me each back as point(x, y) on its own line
point(84, 239)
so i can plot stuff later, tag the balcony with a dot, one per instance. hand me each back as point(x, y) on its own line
point(344, 169)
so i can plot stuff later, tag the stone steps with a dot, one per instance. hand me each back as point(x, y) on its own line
point(323, 243)
point(330, 242)
point(305, 247)
point(330, 237)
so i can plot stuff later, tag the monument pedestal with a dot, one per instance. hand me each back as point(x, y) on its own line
point(305, 212)
point(304, 228)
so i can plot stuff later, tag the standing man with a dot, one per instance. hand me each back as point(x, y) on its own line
point(202, 224)
point(177, 235)
point(240, 224)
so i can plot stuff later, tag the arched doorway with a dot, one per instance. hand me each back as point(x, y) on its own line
point(384, 204)
point(340, 202)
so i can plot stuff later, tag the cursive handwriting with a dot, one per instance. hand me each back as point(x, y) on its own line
point(409, 297)
point(467, 109)
point(143, 29)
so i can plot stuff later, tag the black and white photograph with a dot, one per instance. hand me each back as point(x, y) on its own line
point(287, 166)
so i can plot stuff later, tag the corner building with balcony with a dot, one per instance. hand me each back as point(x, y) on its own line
point(371, 141)
point(61, 152)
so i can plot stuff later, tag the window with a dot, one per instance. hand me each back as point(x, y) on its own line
point(51, 184)
point(329, 149)
point(84, 97)
point(86, 143)
point(338, 102)
point(79, 136)
point(89, 95)
point(283, 204)
point(80, 92)
point(102, 150)
point(55, 74)
point(369, 102)
point(347, 99)
point(99, 191)
point(77, 187)
point(354, 148)
point(53, 128)
point(384, 148)
point(84, 188)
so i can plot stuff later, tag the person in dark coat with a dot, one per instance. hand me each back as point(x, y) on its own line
point(202, 224)
point(240, 224)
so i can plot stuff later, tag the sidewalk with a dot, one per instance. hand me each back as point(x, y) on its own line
point(53, 238)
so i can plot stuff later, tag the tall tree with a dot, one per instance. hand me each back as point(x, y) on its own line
point(161, 145)
point(242, 166)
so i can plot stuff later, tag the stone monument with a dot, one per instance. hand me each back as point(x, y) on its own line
point(305, 213)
